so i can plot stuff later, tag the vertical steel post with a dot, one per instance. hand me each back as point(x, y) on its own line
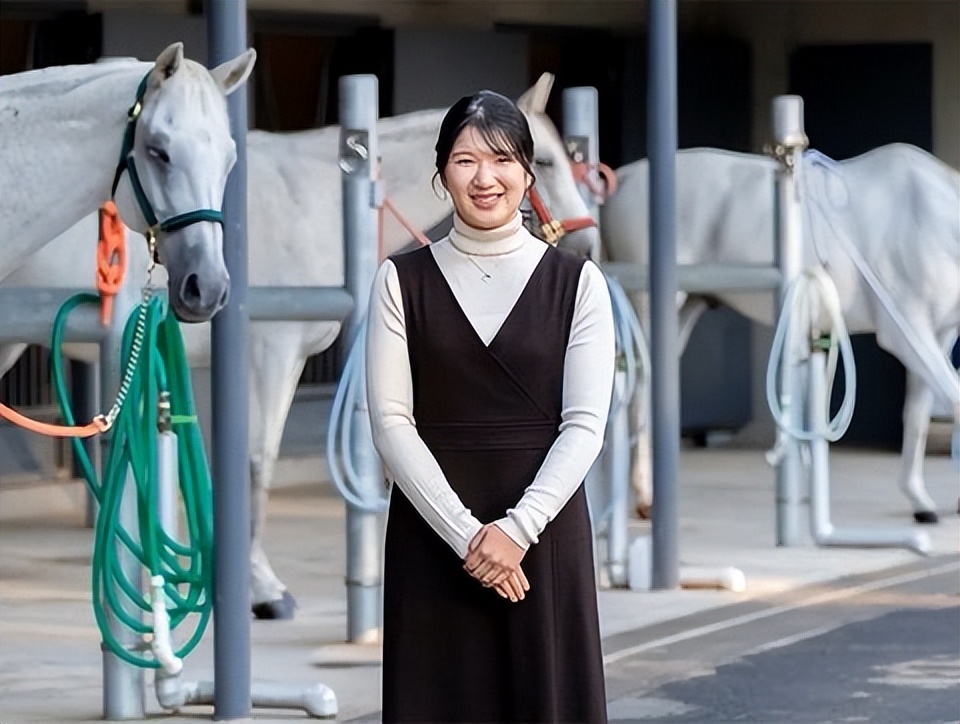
point(359, 157)
point(582, 138)
point(226, 39)
point(123, 684)
point(791, 142)
point(85, 396)
point(665, 368)
point(581, 133)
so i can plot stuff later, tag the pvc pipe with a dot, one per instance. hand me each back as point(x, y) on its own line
point(821, 528)
point(316, 700)
point(728, 578)
point(788, 132)
point(359, 155)
point(160, 643)
point(618, 477)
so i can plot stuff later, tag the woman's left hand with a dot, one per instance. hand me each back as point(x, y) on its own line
point(492, 556)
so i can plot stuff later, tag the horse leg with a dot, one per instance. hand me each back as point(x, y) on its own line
point(916, 423)
point(641, 469)
point(274, 375)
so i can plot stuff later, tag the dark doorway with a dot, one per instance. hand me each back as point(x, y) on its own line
point(858, 97)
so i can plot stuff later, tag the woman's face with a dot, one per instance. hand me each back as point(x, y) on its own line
point(486, 187)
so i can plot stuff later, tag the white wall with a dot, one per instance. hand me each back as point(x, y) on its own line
point(434, 68)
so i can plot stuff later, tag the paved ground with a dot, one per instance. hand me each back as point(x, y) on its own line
point(50, 663)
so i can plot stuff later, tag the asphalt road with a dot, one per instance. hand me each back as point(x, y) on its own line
point(880, 648)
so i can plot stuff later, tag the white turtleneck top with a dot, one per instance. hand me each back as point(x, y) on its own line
point(487, 271)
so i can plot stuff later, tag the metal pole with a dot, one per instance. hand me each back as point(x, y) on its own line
point(617, 472)
point(85, 396)
point(359, 156)
point(665, 372)
point(791, 141)
point(123, 684)
point(821, 527)
point(226, 39)
point(581, 135)
point(581, 132)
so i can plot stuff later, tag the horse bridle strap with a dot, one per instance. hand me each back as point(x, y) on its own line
point(127, 163)
point(555, 229)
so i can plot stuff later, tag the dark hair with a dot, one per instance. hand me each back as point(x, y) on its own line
point(498, 121)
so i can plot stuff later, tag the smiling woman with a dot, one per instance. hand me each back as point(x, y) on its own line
point(488, 397)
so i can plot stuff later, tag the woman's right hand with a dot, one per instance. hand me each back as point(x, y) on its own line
point(514, 588)
point(494, 559)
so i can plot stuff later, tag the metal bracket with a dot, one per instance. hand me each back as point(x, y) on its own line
point(354, 154)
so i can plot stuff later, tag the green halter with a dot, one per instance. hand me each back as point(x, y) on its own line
point(126, 163)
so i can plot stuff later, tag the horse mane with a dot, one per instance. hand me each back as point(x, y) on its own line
point(44, 82)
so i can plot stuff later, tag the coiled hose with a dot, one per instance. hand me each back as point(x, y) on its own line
point(155, 363)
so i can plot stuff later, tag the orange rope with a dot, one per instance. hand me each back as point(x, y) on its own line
point(111, 266)
point(404, 221)
point(111, 259)
point(97, 425)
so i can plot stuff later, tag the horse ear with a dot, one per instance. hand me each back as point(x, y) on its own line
point(169, 61)
point(233, 73)
point(534, 100)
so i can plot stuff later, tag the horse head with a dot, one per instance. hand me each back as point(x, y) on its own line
point(177, 155)
point(561, 212)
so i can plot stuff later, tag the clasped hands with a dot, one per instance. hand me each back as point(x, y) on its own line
point(493, 558)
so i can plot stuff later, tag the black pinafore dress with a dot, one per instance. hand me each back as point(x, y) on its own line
point(453, 650)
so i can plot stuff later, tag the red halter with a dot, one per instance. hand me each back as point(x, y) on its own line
point(555, 229)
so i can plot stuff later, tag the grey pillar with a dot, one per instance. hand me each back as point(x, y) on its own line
point(85, 401)
point(227, 38)
point(791, 139)
point(581, 133)
point(665, 370)
point(359, 156)
point(123, 683)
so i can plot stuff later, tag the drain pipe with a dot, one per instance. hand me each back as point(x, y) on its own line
point(317, 700)
point(821, 528)
point(617, 468)
point(172, 691)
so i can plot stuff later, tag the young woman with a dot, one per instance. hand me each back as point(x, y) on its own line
point(490, 367)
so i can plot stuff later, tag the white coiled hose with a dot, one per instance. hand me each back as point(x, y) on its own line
point(341, 451)
point(810, 297)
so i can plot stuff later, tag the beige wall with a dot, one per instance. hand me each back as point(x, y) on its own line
point(775, 29)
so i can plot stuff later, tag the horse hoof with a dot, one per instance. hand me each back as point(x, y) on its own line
point(643, 511)
point(926, 516)
point(281, 609)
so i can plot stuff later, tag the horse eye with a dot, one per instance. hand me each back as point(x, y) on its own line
point(544, 162)
point(158, 154)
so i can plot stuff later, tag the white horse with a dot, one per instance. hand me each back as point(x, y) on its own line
point(68, 132)
point(295, 239)
point(886, 227)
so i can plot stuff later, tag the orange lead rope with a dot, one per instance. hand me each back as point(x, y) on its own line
point(92, 428)
point(111, 259)
point(111, 266)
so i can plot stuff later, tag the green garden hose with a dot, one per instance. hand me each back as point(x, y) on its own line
point(155, 372)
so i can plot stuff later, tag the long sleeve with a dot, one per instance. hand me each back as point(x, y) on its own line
point(408, 461)
point(587, 385)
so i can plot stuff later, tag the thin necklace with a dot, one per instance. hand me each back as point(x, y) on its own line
point(484, 275)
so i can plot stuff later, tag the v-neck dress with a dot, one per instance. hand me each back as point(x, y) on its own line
point(489, 414)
